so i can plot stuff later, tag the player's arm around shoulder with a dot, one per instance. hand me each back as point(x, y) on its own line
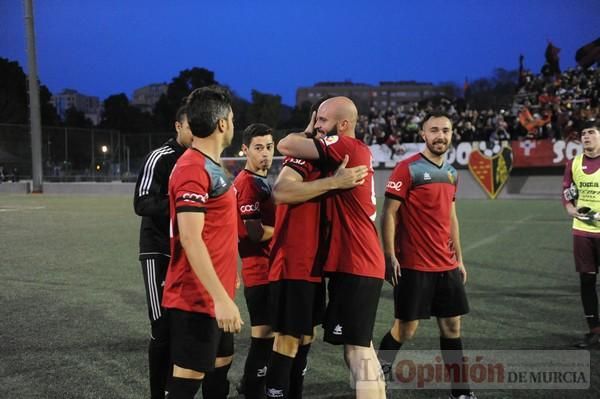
point(290, 187)
point(191, 225)
point(298, 145)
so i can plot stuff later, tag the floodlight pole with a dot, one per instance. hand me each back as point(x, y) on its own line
point(35, 118)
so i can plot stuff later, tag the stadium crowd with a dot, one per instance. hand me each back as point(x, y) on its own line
point(545, 106)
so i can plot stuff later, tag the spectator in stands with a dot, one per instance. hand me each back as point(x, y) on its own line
point(544, 107)
point(395, 145)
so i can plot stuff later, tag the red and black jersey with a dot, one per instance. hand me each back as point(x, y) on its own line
point(427, 192)
point(354, 244)
point(295, 243)
point(199, 184)
point(254, 201)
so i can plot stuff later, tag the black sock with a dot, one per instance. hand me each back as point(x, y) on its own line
point(159, 359)
point(299, 368)
point(589, 299)
point(159, 365)
point(388, 347)
point(452, 352)
point(216, 385)
point(278, 376)
point(183, 388)
point(255, 368)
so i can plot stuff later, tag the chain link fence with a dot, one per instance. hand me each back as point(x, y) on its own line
point(78, 154)
point(75, 154)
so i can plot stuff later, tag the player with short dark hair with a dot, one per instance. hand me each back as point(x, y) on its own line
point(354, 260)
point(582, 202)
point(421, 243)
point(151, 202)
point(297, 291)
point(201, 278)
point(256, 212)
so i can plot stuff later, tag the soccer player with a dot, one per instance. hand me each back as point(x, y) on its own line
point(201, 277)
point(151, 202)
point(297, 292)
point(582, 202)
point(420, 235)
point(355, 263)
point(257, 218)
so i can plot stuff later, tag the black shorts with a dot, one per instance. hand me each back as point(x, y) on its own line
point(196, 340)
point(586, 251)
point(257, 300)
point(296, 306)
point(420, 295)
point(154, 269)
point(351, 311)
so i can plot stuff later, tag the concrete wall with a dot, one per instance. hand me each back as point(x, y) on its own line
point(114, 188)
point(549, 187)
point(15, 188)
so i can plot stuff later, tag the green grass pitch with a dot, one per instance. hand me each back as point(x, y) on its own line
point(74, 321)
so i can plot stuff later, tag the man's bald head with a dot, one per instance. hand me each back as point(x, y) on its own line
point(343, 108)
point(339, 110)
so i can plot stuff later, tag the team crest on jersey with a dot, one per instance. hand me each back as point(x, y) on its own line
point(329, 140)
point(491, 173)
point(451, 177)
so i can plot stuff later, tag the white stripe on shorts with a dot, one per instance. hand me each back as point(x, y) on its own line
point(152, 291)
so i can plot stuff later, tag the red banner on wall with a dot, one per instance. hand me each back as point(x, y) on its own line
point(543, 153)
point(526, 153)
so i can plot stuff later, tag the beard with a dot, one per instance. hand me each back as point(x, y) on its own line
point(432, 147)
point(323, 133)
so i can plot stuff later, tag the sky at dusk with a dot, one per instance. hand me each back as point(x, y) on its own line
point(107, 47)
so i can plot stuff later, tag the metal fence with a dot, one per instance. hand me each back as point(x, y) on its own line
point(75, 154)
point(78, 154)
point(134, 149)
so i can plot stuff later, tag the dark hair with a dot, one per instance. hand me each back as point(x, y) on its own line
point(205, 106)
point(181, 112)
point(435, 114)
point(589, 124)
point(255, 130)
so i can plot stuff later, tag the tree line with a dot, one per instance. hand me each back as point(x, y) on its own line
point(119, 114)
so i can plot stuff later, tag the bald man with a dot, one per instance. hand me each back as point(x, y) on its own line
point(355, 264)
point(297, 289)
